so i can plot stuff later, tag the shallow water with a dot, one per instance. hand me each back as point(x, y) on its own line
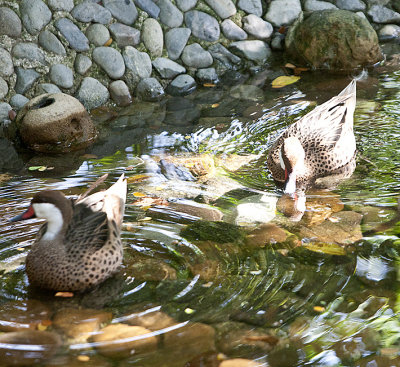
point(289, 303)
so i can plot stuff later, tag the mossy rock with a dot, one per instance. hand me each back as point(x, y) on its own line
point(219, 232)
point(333, 39)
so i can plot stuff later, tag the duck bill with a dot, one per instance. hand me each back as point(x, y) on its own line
point(30, 213)
point(290, 186)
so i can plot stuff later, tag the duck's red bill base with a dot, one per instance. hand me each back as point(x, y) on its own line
point(30, 213)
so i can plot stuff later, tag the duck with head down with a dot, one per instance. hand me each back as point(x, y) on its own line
point(320, 144)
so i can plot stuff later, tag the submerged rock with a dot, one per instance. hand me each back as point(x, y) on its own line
point(343, 228)
point(26, 348)
point(153, 321)
point(149, 89)
point(150, 270)
point(193, 337)
point(121, 341)
point(255, 209)
point(333, 39)
point(266, 234)
point(236, 339)
point(55, 123)
point(23, 315)
point(80, 323)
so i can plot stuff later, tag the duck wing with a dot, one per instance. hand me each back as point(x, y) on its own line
point(88, 229)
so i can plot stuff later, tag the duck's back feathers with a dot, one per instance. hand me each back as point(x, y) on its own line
point(327, 123)
point(88, 229)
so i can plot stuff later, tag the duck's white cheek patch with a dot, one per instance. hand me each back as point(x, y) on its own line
point(53, 216)
point(281, 161)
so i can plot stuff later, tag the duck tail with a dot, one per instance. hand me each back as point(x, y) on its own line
point(362, 76)
point(119, 188)
point(114, 200)
point(351, 88)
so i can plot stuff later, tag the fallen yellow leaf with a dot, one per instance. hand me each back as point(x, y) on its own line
point(215, 105)
point(290, 66)
point(221, 357)
point(139, 195)
point(108, 43)
point(64, 294)
point(41, 327)
point(83, 358)
point(137, 178)
point(298, 71)
point(209, 85)
point(319, 309)
point(283, 81)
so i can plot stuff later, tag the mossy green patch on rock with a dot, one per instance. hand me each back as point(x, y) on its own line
point(219, 232)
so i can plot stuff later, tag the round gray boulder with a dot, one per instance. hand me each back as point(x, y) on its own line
point(333, 39)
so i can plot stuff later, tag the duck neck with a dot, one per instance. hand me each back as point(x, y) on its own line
point(54, 217)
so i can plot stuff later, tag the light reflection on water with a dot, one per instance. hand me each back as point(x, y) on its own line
point(212, 283)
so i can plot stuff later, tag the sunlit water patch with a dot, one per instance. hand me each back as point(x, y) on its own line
point(197, 286)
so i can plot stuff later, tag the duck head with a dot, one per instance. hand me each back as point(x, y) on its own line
point(52, 206)
point(292, 157)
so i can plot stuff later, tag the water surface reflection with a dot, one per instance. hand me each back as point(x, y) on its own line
point(195, 290)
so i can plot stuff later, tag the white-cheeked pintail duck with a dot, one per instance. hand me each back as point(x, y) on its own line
point(320, 144)
point(79, 246)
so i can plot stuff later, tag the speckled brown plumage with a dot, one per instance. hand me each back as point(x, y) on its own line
point(88, 247)
point(327, 138)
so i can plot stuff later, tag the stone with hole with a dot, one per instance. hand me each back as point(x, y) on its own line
point(55, 123)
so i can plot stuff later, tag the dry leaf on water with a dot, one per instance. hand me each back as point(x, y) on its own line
point(290, 66)
point(298, 71)
point(150, 201)
point(283, 81)
point(137, 178)
point(64, 294)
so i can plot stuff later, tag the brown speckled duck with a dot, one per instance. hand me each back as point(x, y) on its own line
point(79, 246)
point(320, 144)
